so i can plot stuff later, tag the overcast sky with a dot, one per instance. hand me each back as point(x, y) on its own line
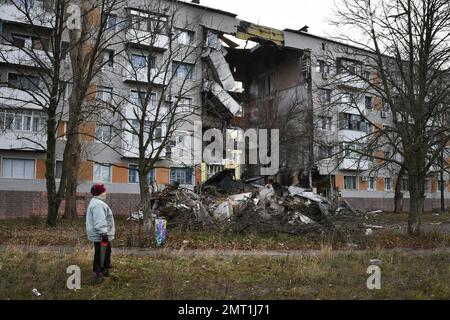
point(280, 14)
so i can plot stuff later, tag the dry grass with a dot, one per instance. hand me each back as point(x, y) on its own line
point(72, 233)
point(327, 276)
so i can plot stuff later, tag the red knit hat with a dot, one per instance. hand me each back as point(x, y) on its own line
point(98, 189)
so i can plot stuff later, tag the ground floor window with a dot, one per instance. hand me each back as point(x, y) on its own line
point(18, 168)
point(181, 175)
point(350, 183)
point(133, 174)
point(388, 184)
point(372, 183)
point(102, 173)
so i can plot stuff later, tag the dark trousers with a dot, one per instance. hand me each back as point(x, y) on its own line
point(97, 268)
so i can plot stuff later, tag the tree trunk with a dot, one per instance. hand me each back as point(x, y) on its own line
point(50, 164)
point(443, 209)
point(72, 163)
point(417, 201)
point(145, 195)
point(398, 200)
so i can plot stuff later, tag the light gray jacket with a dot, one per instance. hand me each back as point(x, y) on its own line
point(99, 220)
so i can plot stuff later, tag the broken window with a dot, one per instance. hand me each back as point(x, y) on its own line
point(184, 37)
point(213, 40)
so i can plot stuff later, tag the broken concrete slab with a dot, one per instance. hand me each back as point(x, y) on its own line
point(222, 70)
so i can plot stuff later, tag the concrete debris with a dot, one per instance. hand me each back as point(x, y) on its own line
point(239, 206)
point(36, 292)
point(224, 212)
point(376, 212)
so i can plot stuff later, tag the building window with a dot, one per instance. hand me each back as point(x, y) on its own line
point(23, 82)
point(23, 120)
point(181, 175)
point(64, 49)
point(111, 22)
point(352, 67)
point(441, 184)
point(185, 37)
point(325, 152)
point(324, 68)
point(141, 62)
point(405, 184)
point(18, 168)
point(182, 70)
point(388, 184)
point(325, 95)
point(108, 58)
point(372, 182)
point(102, 173)
point(325, 123)
point(146, 21)
point(427, 186)
point(133, 175)
point(184, 105)
point(369, 102)
point(103, 133)
point(350, 183)
point(138, 98)
point(148, 127)
point(353, 122)
point(104, 94)
point(58, 169)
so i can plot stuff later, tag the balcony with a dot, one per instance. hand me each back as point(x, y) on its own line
point(16, 98)
point(9, 12)
point(147, 39)
point(142, 75)
point(349, 80)
point(354, 165)
point(24, 57)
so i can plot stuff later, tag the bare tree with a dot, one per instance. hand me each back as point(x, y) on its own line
point(60, 28)
point(87, 47)
point(161, 61)
point(406, 46)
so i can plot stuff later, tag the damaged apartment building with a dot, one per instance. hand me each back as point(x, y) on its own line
point(238, 75)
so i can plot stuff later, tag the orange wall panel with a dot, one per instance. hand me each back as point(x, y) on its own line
point(87, 130)
point(363, 186)
point(120, 173)
point(163, 176)
point(40, 169)
point(434, 186)
point(86, 171)
point(378, 103)
point(380, 184)
point(340, 182)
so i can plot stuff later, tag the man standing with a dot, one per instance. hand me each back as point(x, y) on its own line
point(100, 229)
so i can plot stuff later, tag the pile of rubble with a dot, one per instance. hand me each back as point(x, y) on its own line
point(239, 206)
